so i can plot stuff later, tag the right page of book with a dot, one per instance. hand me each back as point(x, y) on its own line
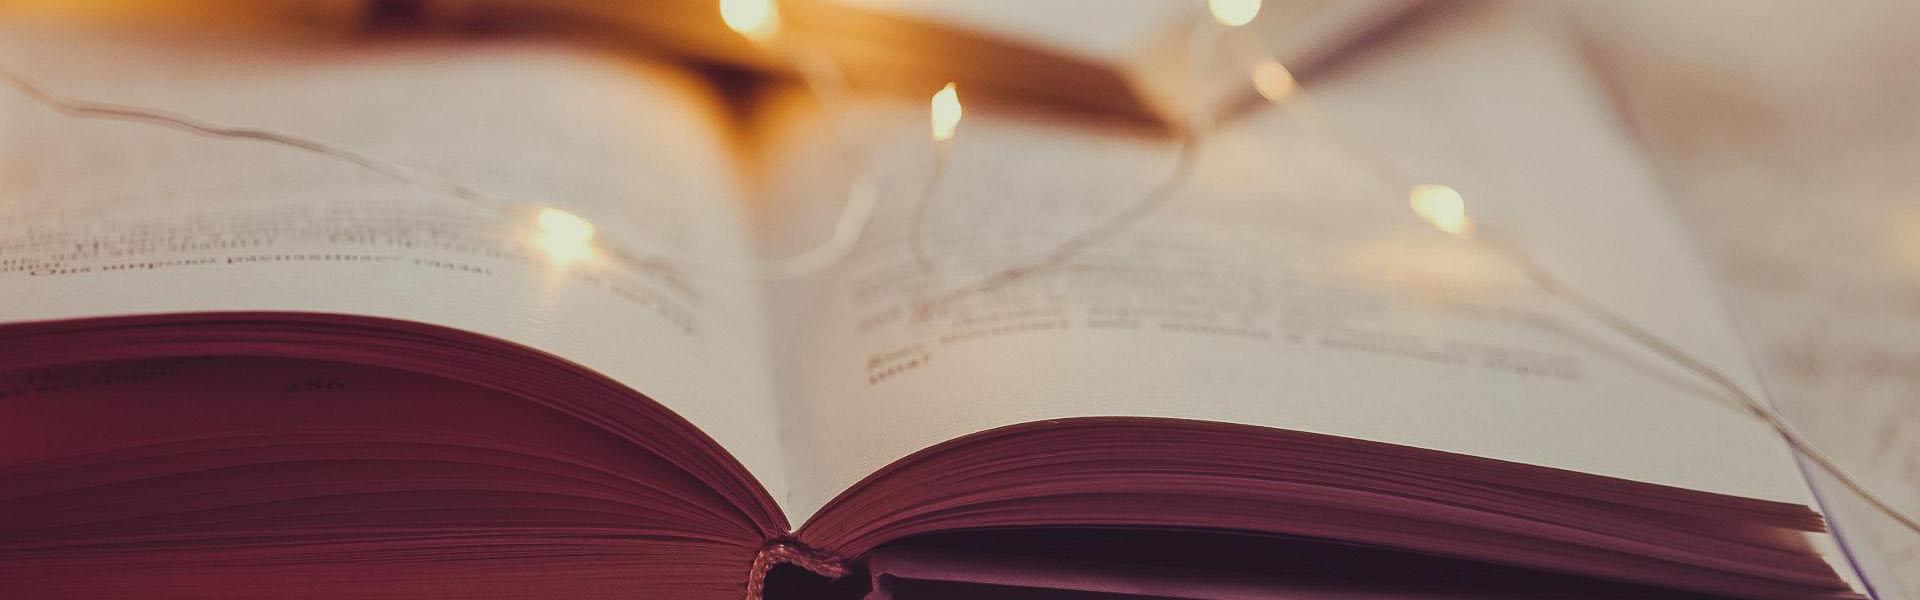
point(1285, 284)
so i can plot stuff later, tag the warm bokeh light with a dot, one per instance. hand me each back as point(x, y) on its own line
point(564, 236)
point(946, 113)
point(756, 19)
point(1233, 13)
point(1273, 81)
point(1906, 240)
point(1442, 207)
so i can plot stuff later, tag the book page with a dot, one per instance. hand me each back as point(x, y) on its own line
point(1125, 26)
point(1286, 285)
point(107, 217)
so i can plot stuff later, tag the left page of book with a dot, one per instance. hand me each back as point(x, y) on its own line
point(590, 174)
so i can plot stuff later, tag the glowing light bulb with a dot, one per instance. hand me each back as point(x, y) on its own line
point(1442, 207)
point(1233, 13)
point(564, 236)
point(946, 113)
point(1273, 81)
point(756, 19)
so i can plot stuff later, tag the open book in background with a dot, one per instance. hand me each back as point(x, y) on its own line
point(243, 369)
point(1131, 59)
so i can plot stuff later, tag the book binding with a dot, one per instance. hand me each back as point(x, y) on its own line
point(790, 552)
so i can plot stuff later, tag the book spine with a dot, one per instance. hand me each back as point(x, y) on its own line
point(790, 552)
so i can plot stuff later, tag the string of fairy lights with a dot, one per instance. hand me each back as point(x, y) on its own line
point(567, 239)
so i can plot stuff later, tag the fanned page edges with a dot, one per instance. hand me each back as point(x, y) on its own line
point(398, 460)
point(1205, 565)
point(406, 460)
point(1167, 473)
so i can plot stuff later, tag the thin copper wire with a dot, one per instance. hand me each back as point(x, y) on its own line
point(87, 109)
point(917, 224)
point(1203, 41)
point(1760, 409)
point(827, 82)
point(1553, 285)
point(820, 74)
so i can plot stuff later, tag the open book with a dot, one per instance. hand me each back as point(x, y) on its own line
point(1132, 59)
point(242, 368)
